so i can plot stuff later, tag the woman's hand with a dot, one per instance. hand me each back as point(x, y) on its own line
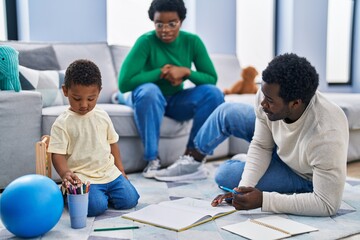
point(164, 71)
point(174, 74)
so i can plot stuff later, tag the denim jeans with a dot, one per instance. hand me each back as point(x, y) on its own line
point(238, 119)
point(119, 193)
point(150, 106)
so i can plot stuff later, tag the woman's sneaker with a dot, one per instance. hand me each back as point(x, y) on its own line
point(152, 167)
point(184, 169)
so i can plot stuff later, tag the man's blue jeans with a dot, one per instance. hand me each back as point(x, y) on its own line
point(150, 106)
point(238, 119)
point(119, 193)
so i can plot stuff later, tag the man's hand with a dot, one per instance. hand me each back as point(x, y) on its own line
point(248, 198)
point(220, 198)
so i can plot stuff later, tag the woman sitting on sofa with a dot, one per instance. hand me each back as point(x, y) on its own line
point(154, 70)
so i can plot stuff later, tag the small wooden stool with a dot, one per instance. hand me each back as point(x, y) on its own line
point(43, 158)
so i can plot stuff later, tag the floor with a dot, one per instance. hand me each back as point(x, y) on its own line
point(353, 171)
point(154, 192)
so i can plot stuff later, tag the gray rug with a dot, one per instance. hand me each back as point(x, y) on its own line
point(345, 223)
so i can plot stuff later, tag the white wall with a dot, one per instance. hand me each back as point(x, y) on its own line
point(285, 25)
point(189, 23)
point(356, 65)
point(3, 31)
point(23, 20)
point(128, 19)
point(65, 20)
point(339, 29)
point(307, 36)
point(216, 25)
point(302, 27)
point(255, 33)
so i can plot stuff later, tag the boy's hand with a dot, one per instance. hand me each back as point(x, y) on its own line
point(124, 174)
point(71, 178)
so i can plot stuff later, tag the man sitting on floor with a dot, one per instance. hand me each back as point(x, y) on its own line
point(296, 162)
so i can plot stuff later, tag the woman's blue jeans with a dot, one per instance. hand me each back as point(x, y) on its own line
point(238, 119)
point(119, 193)
point(150, 106)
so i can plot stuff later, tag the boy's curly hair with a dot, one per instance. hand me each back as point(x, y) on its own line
point(82, 72)
point(167, 6)
point(297, 78)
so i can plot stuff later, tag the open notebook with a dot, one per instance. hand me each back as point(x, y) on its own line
point(179, 215)
point(273, 227)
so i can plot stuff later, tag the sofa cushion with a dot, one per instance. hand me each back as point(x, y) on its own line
point(42, 58)
point(100, 54)
point(123, 119)
point(346, 101)
point(118, 53)
point(48, 83)
point(349, 103)
point(227, 68)
point(242, 98)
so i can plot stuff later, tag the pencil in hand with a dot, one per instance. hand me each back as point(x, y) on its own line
point(229, 190)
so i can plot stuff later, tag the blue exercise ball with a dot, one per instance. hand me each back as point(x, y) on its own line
point(31, 206)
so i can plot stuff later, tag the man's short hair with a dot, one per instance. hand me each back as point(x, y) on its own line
point(297, 78)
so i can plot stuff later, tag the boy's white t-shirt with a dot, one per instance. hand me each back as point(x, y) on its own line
point(85, 141)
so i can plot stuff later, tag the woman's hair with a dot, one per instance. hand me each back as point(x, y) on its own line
point(297, 78)
point(82, 72)
point(167, 6)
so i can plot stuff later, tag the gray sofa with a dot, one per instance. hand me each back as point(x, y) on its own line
point(27, 115)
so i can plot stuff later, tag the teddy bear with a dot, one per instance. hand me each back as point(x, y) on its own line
point(246, 84)
point(9, 69)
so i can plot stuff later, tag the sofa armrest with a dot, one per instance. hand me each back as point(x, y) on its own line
point(20, 129)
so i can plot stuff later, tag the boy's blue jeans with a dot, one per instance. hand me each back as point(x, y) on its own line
point(119, 193)
point(150, 106)
point(238, 119)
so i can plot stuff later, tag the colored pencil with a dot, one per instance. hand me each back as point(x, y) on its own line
point(229, 190)
point(115, 228)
